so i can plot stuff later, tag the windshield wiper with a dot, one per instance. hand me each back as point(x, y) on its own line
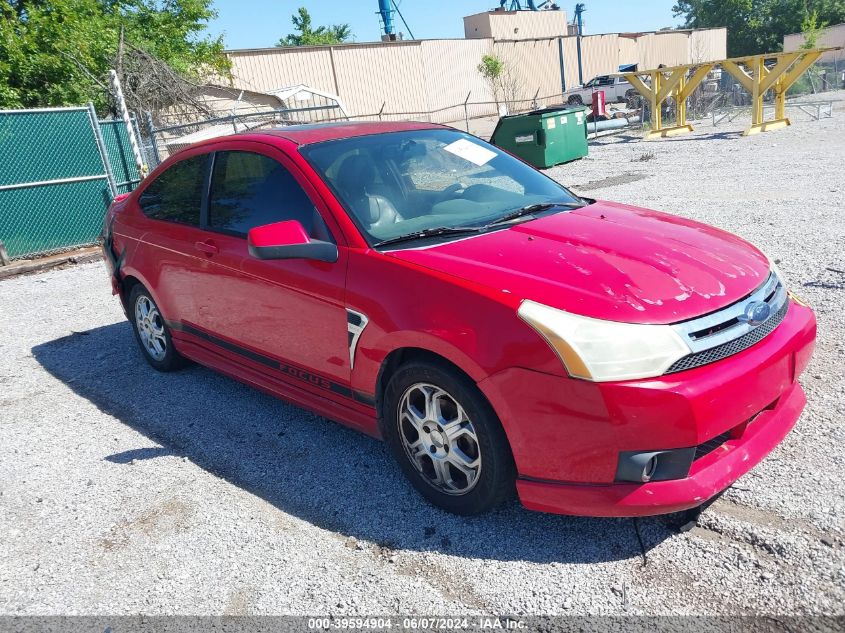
point(434, 232)
point(531, 209)
point(463, 230)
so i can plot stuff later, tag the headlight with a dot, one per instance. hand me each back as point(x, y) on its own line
point(774, 268)
point(598, 350)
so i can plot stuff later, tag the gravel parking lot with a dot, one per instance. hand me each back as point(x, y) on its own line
point(124, 491)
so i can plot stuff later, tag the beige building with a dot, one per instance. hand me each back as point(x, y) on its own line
point(432, 79)
point(829, 37)
point(515, 25)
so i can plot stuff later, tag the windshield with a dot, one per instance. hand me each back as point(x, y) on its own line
point(402, 183)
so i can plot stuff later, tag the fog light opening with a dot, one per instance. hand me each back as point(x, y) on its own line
point(646, 466)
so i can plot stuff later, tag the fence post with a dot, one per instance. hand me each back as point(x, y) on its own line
point(124, 113)
point(4, 256)
point(152, 131)
point(466, 110)
point(561, 62)
point(141, 147)
point(101, 146)
point(384, 103)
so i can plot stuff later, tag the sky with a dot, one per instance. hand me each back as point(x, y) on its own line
point(260, 23)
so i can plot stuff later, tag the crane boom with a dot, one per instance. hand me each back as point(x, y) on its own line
point(386, 9)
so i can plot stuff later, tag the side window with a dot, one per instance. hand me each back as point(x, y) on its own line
point(176, 194)
point(249, 190)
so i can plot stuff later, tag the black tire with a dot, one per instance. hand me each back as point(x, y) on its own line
point(169, 360)
point(575, 100)
point(494, 483)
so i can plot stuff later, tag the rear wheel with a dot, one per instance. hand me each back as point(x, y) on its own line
point(151, 331)
point(447, 439)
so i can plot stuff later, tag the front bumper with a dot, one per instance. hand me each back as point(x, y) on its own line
point(566, 435)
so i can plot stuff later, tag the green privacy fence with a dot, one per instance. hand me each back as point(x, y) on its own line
point(59, 170)
point(119, 152)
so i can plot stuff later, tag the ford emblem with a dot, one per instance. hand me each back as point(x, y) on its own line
point(756, 312)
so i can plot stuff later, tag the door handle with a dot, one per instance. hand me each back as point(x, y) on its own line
point(208, 247)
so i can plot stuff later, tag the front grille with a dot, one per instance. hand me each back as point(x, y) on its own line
point(711, 445)
point(731, 347)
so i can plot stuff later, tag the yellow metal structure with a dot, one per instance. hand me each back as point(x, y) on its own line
point(751, 72)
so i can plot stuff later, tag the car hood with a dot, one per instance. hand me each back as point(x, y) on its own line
point(607, 261)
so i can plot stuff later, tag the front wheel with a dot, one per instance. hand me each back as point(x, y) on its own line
point(575, 100)
point(447, 439)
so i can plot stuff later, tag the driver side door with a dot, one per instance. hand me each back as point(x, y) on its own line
point(286, 317)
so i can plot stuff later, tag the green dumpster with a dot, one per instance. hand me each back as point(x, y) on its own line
point(544, 137)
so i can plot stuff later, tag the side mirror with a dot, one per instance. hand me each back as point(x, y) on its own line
point(288, 240)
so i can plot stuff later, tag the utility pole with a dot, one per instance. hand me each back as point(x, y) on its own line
point(579, 9)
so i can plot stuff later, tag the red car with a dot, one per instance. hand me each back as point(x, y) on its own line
point(501, 333)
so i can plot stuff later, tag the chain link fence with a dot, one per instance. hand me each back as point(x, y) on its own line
point(123, 165)
point(159, 142)
point(59, 170)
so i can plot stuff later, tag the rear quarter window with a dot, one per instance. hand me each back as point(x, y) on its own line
point(176, 193)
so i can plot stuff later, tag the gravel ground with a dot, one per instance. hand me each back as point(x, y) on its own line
point(124, 491)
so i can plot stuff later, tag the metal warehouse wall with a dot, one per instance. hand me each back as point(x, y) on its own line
point(831, 36)
point(536, 62)
point(272, 68)
point(371, 75)
point(451, 70)
point(669, 49)
point(708, 45)
point(599, 55)
point(430, 75)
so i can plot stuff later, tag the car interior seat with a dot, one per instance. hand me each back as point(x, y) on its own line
point(356, 179)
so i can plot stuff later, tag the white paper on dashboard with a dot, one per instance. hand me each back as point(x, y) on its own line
point(468, 150)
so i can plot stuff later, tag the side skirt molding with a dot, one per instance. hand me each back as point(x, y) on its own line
point(288, 370)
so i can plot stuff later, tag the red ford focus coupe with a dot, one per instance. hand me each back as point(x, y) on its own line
point(502, 334)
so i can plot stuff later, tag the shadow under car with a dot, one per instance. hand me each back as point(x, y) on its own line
point(334, 477)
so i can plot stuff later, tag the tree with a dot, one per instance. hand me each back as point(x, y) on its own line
point(309, 36)
point(58, 52)
point(811, 29)
point(504, 84)
point(757, 26)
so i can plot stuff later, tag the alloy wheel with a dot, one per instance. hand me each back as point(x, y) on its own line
point(150, 328)
point(439, 439)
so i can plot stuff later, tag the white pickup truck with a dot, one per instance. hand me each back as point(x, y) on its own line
point(615, 89)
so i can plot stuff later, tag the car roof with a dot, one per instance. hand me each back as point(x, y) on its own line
point(307, 133)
